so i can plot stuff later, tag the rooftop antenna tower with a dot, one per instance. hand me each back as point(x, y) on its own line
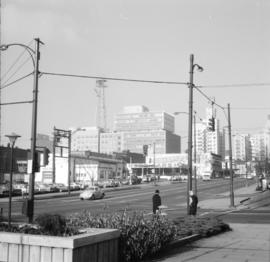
point(101, 120)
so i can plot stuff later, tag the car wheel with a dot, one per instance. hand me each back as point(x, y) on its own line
point(81, 198)
point(93, 197)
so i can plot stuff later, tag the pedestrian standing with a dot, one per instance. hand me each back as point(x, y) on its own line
point(193, 202)
point(156, 199)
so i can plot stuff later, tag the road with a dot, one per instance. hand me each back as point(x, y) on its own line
point(136, 198)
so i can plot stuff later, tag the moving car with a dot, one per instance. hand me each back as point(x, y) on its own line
point(206, 177)
point(92, 193)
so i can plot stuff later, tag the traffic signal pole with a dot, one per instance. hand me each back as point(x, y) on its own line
point(230, 158)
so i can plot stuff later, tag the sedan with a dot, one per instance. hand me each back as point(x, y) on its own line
point(92, 193)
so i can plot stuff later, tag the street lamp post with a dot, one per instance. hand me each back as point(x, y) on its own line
point(12, 138)
point(35, 56)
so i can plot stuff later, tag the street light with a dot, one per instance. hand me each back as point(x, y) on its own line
point(12, 138)
point(35, 56)
point(191, 85)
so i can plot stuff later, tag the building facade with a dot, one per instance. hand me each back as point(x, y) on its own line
point(140, 127)
point(208, 141)
point(241, 147)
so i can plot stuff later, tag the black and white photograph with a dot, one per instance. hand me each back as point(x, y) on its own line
point(134, 130)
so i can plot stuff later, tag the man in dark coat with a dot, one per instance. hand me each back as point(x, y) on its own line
point(193, 202)
point(156, 201)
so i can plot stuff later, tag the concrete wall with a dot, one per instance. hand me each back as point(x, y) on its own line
point(93, 246)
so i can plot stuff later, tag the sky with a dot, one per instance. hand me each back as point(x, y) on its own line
point(135, 39)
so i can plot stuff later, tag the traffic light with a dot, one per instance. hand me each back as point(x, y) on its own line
point(145, 149)
point(37, 161)
point(45, 156)
point(211, 124)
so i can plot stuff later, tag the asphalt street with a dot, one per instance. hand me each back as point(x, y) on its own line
point(136, 198)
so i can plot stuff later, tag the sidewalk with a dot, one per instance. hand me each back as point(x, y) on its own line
point(246, 242)
point(222, 201)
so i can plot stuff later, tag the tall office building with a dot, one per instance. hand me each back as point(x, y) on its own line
point(209, 141)
point(260, 142)
point(241, 147)
point(85, 139)
point(139, 127)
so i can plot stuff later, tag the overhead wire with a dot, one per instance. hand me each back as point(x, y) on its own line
point(115, 79)
point(15, 62)
point(17, 70)
point(15, 81)
point(234, 85)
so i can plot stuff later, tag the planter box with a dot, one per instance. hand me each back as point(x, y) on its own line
point(94, 245)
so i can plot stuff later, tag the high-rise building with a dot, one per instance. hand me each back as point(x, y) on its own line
point(258, 146)
point(208, 141)
point(260, 142)
point(138, 118)
point(85, 139)
point(140, 127)
point(241, 147)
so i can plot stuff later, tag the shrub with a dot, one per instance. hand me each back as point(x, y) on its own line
point(140, 235)
point(204, 226)
point(52, 224)
point(47, 224)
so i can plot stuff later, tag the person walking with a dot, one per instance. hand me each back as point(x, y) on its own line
point(156, 199)
point(193, 202)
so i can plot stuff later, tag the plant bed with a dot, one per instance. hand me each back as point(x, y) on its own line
point(138, 235)
point(142, 236)
point(50, 241)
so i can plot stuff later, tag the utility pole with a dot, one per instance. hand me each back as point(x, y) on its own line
point(230, 158)
point(34, 133)
point(190, 111)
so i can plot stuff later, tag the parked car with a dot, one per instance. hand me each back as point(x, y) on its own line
point(74, 186)
point(184, 177)
point(110, 183)
point(135, 180)
point(4, 189)
point(61, 187)
point(92, 193)
point(41, 188)
point(125, 182)
point(53, 187)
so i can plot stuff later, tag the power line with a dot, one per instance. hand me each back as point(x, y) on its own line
point(251, 108)
point(234, 85)
point(116, 79)
point(14, 63)
point(208, 98)
point(15, 81)
point(17, 69)
point(16, 103)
